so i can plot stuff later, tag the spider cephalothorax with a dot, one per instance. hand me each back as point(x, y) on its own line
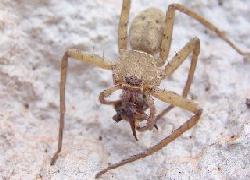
point(136, 67)
point(139, 72)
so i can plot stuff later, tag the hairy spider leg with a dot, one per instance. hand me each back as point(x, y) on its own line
point(123, 25)
point(192, 47)
point(169, 22)
point(78, 55)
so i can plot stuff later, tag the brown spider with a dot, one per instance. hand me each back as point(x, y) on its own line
point(139, 72)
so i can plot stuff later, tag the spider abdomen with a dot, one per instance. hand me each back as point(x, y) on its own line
point(146, 31)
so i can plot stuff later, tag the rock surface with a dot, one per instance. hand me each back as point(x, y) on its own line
point(34, 35)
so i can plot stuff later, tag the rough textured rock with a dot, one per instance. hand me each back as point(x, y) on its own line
point(34, 35)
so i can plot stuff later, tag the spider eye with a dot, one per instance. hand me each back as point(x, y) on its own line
point(133, 80)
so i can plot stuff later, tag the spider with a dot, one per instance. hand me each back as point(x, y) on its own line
point(140, 70)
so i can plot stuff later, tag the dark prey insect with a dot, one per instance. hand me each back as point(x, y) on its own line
point(139, 71)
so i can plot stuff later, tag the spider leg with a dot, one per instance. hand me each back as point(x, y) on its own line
point(123, 25)
point(107, 93)
point(151, 120)
point(76, 54)
point(193, 46)
point(169, 22)
point(176, 100)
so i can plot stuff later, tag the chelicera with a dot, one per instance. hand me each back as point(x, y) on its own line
point(140, 70)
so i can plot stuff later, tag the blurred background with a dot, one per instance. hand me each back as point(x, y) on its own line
point(33, 37)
